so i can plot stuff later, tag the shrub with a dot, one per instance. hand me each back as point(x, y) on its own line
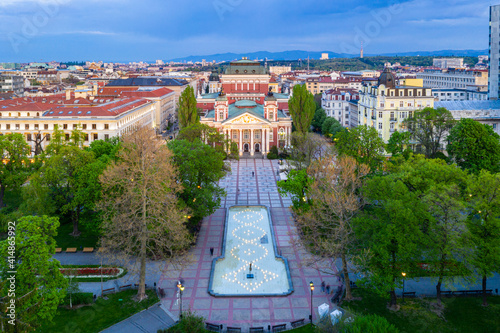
point(371, 324)
point(273, 154)
point(190, 322)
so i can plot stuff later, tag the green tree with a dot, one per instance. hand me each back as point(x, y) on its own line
point(474, 146)
point(296, 186)
point(370, 324)
point(362, 143)
point(15, 169)
point(399, 143)
point(331, 127)
point(389, 230)
point(318, 119)
point(200, 169)
point(447, 231)
point(302, 108)
point(428, 127)
point(484, 225)
point(188, 112)
point(38, 274)
point(12, 319)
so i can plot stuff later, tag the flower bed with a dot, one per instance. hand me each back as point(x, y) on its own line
point(91, 272)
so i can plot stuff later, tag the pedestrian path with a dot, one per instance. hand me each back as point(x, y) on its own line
point(147, 321)
point(251, 182)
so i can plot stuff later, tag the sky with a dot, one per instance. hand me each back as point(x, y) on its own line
point(135, 30)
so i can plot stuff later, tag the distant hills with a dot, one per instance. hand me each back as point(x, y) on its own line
point(298, 54)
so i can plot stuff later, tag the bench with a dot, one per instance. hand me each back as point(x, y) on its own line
point(446, 293)
point(58, 250)
point(71, 250)
point(298, 323)
point(136, 286)
point(108, 291)
point(233, 329)
point(256, 329)
point(471, 292)
point(410, 294)
point(125, 287)
point(88, 249)
point(213, 327)
point(279, 328)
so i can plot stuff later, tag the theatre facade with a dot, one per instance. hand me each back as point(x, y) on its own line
point(246, 111)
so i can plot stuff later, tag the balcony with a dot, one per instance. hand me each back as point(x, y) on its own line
point(374, 118)
point(393, 119)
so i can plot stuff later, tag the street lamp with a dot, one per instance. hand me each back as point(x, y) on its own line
point(181, 289)
point(311, 284)
point(404, 275)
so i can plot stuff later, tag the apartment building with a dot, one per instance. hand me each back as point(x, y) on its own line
point(12, 84)
point(453, 78)
point(336, 102)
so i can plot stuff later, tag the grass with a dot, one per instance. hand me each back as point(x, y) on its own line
point(102, 314)
point(65, 240)
point(307, 328)
point(460, 314)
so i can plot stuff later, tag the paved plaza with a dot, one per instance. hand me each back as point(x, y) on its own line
point(243, 188)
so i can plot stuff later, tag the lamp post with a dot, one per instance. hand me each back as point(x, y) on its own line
point(311, 284)
point(181, 289)
point(404, 275)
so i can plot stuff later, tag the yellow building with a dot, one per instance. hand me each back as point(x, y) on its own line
point(386, 105)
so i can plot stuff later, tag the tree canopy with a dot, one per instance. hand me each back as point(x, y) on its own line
point(302, 108)
point(331, 127)
point(188, 112)
point(318, 119)
point(428, 127)
point(474, 146)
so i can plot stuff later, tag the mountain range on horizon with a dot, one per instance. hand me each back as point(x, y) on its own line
point(299, 54)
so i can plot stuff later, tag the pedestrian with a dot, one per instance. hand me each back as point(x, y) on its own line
point(323, 286)
point(253, 174)
point(211, 251)
point(328, 289)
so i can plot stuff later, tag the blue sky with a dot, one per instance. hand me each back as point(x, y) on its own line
point(131, 30)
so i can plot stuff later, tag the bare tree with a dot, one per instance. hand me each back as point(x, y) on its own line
point(334, 195)
point(142, 214)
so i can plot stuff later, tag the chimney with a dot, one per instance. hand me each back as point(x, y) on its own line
point(68, 94)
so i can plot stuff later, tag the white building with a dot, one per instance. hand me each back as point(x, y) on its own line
point(336, 102)
point(494, 71)
point(453, 79)
point(448, 63)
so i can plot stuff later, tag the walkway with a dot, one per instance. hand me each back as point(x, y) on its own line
point(147, 321)
point(244, 189)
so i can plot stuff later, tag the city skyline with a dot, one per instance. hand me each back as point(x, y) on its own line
point(121, 30)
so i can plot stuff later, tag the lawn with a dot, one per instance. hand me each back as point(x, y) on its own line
point(65, 240)
point(102, 314)
point(460, 314)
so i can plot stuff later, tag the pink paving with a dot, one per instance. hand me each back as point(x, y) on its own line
point(245, 312)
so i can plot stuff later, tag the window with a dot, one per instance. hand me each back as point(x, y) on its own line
point(401, 104)
point(245, 135)
point(494, 126)
point(66, 136)
point(8, 126)
point(235, 135)
point(256, 135)
point(36, 126)
point(84, 126)
point(271, 135)
point(65, 126)
point(46, 126)
point(221, 115)
point(96, 137)
point(380, 114)
point(379, 126)
point(271, 115)
point(47, 137)
point(18, 126)
point(382, 105)
point(106, 136)
point(26, 126)
point(86, 138)
point(94, 126)
point(106, 126)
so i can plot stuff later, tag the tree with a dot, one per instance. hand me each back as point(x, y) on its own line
point(447, 230)
point(326, 225)
point(399, 143)
point(370, 324)
point(484, 225)
point(318, 119)
point(188, 112)
point(428, 128)
point(38, 277)
point(362, 143)
point(302, 108)
point(331, 127)
point(474, 146)
point(296, 186)
point(200, 169)
point(389, 230)
point(15, 168)
point(140, 204)
point(12, 319)
point(307, 147)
